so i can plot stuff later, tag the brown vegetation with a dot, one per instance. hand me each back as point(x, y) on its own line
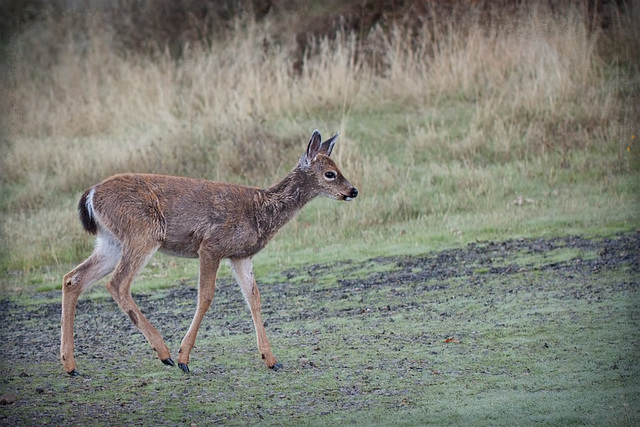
point(524, 90)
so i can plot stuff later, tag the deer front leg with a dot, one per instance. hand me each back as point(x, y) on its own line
point(243, 272)
point(206, 290)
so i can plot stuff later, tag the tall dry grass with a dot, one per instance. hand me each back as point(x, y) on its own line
point(534, 87)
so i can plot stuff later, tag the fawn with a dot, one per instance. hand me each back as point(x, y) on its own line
point(133, 215)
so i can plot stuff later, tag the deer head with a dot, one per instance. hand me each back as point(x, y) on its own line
point(329, 180)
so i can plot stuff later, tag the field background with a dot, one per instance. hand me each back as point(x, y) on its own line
point(538, 331)
point(459, 121)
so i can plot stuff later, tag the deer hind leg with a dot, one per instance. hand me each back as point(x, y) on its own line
point(243, 273)
point(206, 290)
point(105, 256)
point(119, 286)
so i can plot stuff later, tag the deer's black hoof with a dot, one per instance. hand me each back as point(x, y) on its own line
point(73, 373)
point(168, 362)
point(184, 367)
point(277, 366)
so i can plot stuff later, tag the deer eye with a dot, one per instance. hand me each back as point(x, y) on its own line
point(330, 175)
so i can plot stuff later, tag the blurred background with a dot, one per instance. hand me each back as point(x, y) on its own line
point(460, 120)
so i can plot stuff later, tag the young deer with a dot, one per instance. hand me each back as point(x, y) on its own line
point(133, 215)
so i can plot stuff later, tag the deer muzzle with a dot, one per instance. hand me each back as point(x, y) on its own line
point(352, 195)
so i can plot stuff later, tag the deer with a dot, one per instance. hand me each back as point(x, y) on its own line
point(133, 215)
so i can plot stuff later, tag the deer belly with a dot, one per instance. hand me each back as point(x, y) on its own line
point(179, 248)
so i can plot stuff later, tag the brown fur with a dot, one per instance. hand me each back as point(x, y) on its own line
point(133, 215)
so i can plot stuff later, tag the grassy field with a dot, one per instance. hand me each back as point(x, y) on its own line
point(454, 132)
point(459, 133)
point(540, 331)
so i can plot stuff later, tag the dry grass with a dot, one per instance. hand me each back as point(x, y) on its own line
point(467, 113)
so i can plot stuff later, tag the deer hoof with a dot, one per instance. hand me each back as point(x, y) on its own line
point(184, 367)
point(73, 373)
point(168, 362)
point(277, 366)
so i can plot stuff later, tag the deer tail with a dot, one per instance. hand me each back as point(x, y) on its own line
point(86, 212)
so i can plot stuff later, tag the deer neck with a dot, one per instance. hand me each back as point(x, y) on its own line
point(280, 202)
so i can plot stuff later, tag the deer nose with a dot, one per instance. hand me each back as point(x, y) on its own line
point(354, 193)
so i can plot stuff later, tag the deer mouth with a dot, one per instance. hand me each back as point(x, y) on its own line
point(352, 194)
point(350, 197)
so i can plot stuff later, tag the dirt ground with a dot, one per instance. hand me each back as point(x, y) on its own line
point(30, 328)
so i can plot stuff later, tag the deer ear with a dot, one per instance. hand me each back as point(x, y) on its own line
point(315, 146)
point(327, 146)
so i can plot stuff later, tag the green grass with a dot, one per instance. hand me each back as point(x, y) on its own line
point(540, 346)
